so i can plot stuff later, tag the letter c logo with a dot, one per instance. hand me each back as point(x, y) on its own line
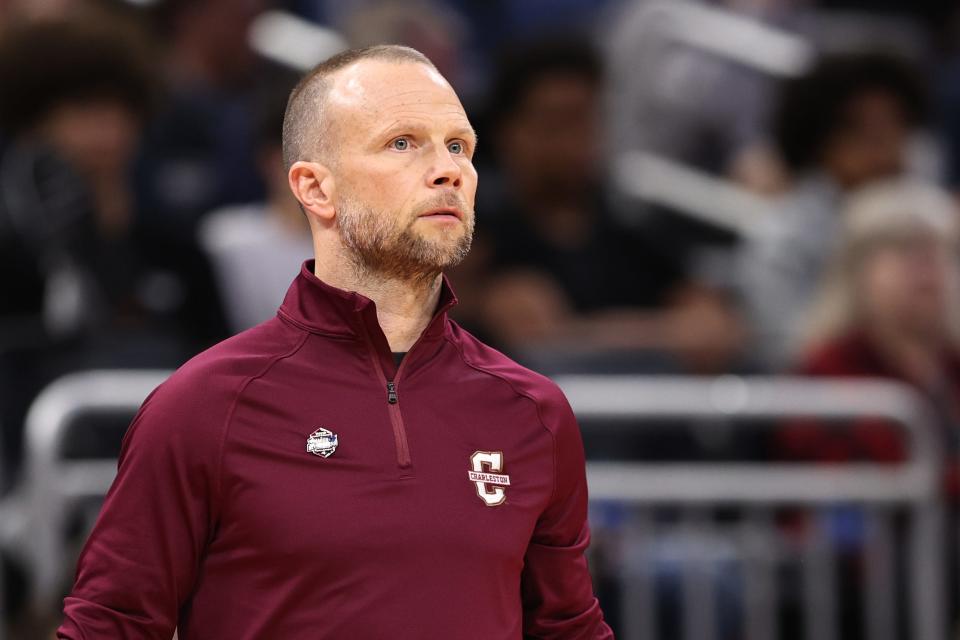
point(489, 462)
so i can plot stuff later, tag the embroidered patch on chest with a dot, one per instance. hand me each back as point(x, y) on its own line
point(322, 442)
point(486, 472)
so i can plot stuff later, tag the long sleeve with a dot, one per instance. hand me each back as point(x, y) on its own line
point(558, 599)
point(141, 560)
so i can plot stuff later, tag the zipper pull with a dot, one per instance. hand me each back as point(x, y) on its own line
point(391, 393)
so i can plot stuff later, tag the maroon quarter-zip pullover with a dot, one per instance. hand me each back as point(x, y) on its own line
point(293, 483)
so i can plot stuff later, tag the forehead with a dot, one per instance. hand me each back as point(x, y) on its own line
point(381, 90)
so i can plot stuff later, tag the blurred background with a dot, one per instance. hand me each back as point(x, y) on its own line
point(728, 228)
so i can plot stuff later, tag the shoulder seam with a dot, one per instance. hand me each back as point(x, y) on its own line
point(236, 399)
point(553, 437)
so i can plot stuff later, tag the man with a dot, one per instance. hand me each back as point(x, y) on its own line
point(568, 273)
point(357, 467)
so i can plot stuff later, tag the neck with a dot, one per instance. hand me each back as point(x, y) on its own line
point(405, 306)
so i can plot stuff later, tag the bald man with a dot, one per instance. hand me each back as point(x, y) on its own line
point(358, 467)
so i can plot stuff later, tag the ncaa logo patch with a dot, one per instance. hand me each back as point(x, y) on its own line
point(322, 442)
point(485, 472)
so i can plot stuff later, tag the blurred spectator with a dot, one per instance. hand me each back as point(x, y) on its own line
point(568, 276)
point(848, 121)
point(72, 118)
point(889, 308)
point(79, 290)
point(256, 249)
point(199, 151)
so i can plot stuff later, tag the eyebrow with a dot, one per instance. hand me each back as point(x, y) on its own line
point(469, 132)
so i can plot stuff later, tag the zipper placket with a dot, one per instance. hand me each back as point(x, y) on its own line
point(393, 397)
point(396, 417)
point(393, 400)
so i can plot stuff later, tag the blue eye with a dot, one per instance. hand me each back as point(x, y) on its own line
point(400, 144)
point(455, 147)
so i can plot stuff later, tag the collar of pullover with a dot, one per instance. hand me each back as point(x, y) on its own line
point(321, 308)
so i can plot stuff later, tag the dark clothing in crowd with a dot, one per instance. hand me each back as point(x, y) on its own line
point(199, 150)
point(874, 440)
point(612, 266)
point(77, 297)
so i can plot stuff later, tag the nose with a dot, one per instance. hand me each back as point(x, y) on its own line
point(446, 171)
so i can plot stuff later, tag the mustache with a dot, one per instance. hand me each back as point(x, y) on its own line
point(446, 199)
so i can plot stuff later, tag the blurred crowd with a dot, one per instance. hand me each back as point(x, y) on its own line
point(726, 186)
point(144, 213)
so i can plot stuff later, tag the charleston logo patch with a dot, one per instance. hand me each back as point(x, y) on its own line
point(485, 472)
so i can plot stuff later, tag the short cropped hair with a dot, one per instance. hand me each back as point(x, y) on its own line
point(305, 126)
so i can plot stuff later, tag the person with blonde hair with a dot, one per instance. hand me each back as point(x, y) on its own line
point(888, 308)
point(893, 277)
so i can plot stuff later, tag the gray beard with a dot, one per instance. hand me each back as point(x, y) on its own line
point(375, 246)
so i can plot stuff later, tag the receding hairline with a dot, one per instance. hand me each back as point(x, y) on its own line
point(304, 124)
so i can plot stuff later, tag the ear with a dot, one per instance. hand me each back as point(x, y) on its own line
point(313, 185)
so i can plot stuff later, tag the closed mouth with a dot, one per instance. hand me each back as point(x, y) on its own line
point(455, 213)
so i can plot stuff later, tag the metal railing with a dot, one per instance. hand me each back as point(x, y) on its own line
point(760, 488)
point(654, 46)
point(53, 483)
